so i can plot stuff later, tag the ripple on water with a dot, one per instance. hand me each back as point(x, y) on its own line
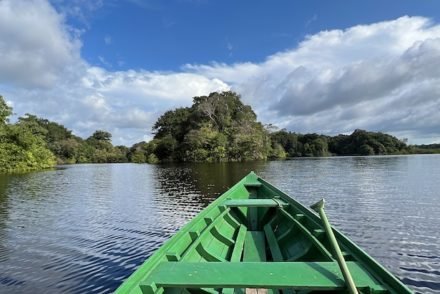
point(85, 228)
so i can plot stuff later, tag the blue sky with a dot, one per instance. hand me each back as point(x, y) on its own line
point(164, 35)
point(308, 66)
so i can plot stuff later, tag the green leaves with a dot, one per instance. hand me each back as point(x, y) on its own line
point(217, 127)
point(360, 142)
point(22, 151)
point(5, 111)
point(22, 147)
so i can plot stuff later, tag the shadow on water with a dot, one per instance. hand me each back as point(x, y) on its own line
point(209, 179)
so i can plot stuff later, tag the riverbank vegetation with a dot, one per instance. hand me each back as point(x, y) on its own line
point(360, 142)
point(22, 147)
point(34, 143)
point(426, 149)
point(219, 127)
point(216, 128)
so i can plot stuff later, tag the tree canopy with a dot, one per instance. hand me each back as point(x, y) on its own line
point(360, 142)
point(5, 111)
point(22, 145)
point(217, 127)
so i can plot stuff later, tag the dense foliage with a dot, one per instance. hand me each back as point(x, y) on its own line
point(425, 149)
point(217, 127)
point(34, 143)
point(360, 142)
point(69, 148)
point(22, 145)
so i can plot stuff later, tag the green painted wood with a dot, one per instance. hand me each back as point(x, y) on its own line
point(252, 212)
point(187, 255)
point(239, 244)
point(319, 207)
point(232, 221)
point(295, 275)
point(211, 249)
point(286, 233)
point(301, 249)
point(273, 244)
point(220, 234)
point(207, 255)
point(309, 235)
point(236, 255)
point(172, 256)
point(254, 203)
point(318, 233)
point(222, 242)
point(251, 184)
point(254, 246)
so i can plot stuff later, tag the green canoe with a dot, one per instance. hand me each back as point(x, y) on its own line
point(256, 239)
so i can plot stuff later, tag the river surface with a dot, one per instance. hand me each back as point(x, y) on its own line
point(85, 228)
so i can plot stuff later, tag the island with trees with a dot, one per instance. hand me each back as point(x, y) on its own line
point(216, 128)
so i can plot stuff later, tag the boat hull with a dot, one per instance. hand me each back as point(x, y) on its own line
point(256, 238)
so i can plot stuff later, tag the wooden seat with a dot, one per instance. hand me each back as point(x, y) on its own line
point(254, 203)
point(312, 276)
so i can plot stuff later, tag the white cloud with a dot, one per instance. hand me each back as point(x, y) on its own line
point(380, 77)
point(34, 46)
point(384, 76)
point(41, 72)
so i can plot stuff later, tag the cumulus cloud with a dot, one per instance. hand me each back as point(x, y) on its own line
point(383, 76)
point(41, 71)
point(34, 47)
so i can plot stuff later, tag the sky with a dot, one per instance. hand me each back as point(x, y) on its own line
point(327, 67)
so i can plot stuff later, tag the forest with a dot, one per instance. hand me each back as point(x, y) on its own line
point(216, 128)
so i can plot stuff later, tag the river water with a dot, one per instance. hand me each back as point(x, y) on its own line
point(85, 228)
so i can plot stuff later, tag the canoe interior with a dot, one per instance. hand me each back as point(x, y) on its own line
point(256, 239)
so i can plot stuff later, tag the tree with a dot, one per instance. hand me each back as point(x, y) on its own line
point(166, 147)
point(22, 145)
point(366, 150)
point(361, 142)
point(5, 111)
point(217, 127)
point(174, 123)
point(102, 136)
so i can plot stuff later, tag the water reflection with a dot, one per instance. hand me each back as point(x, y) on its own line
point(208, 179)
point(85, 228)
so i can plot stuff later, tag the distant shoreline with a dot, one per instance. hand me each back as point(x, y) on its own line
point(216, 128)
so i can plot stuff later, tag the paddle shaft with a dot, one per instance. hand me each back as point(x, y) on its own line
point(319, 207)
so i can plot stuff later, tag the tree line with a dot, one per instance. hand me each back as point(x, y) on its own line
point(217, 127)
point(34, 143)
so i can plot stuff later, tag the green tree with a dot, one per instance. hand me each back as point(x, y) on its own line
point(174, 123)
point(166, 147)
point(101, 135)
point(5, 111)
point(366, 150)
point(22, 145)
point(138, 157)
point(217, 127)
